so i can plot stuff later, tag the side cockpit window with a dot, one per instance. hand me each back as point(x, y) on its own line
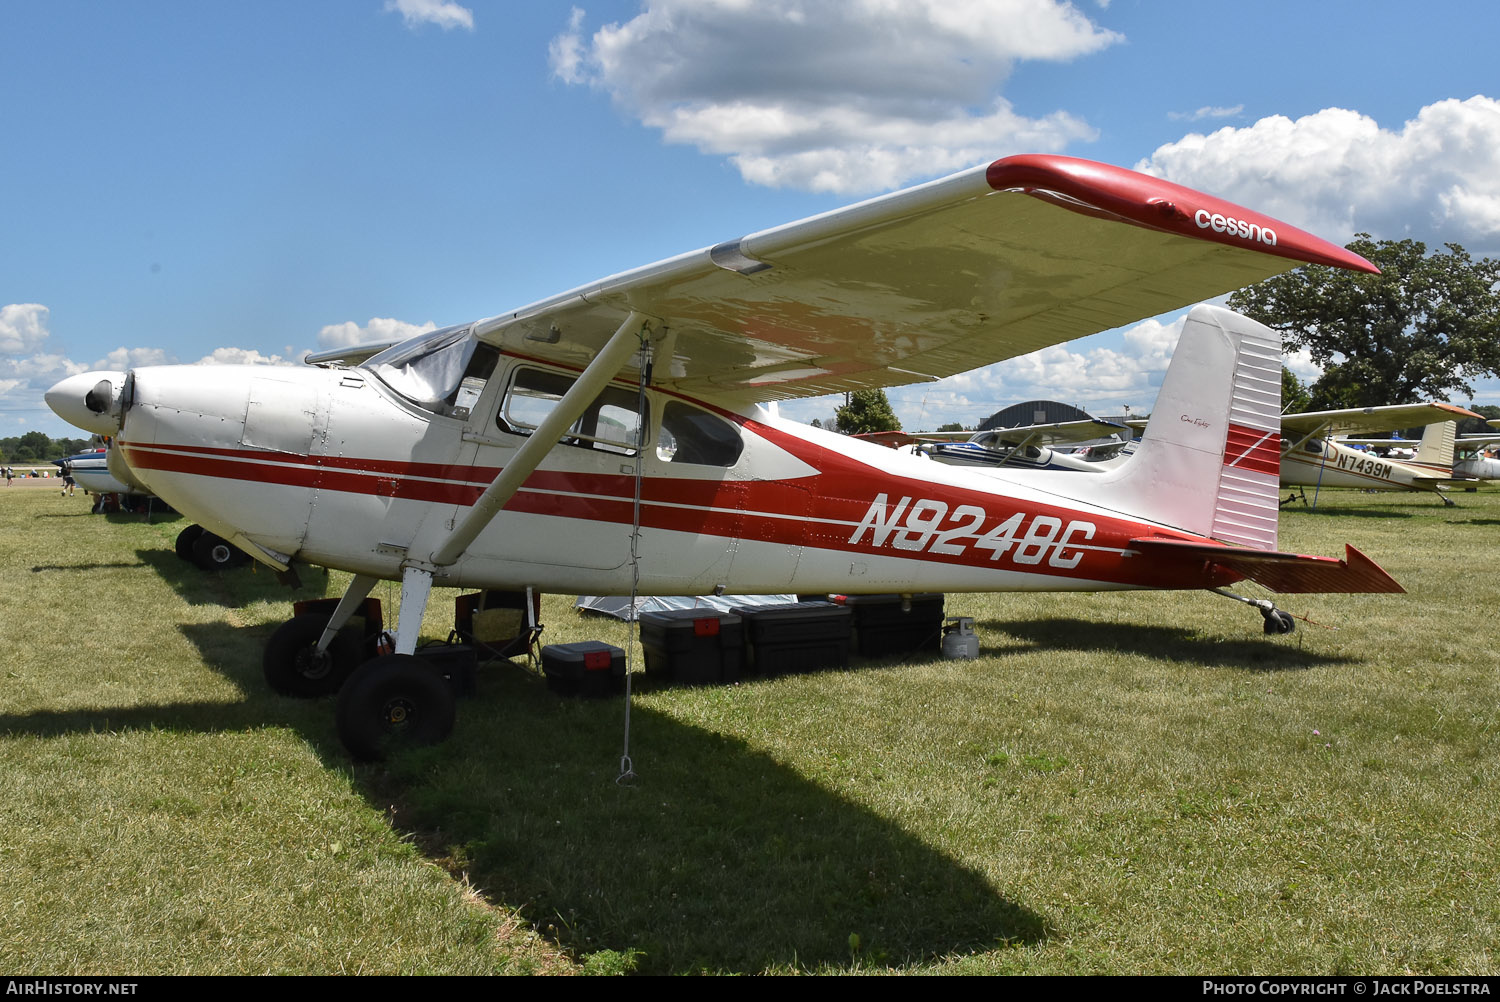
point(610, 423)
point(443, 372)
point(689, 435)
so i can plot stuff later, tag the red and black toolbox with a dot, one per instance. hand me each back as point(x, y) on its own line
point(693, 646)
point(587, 668)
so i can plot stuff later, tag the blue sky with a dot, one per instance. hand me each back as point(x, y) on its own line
point(247, 182)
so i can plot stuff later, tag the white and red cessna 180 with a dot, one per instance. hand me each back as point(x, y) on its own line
point(611, 439)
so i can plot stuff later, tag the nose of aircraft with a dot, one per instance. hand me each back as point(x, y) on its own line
point(89, 400)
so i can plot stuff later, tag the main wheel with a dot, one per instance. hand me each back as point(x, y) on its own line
point(293, 664)
point(214, 553)
point(185, 540)
point(392, 702)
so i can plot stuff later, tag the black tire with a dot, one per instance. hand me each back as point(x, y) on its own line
point(1280, 623)
point(293, 666)
point(214, 553)
point(393, 702)
point(185, 540)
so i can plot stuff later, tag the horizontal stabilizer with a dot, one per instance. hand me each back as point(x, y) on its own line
point(1281, 572)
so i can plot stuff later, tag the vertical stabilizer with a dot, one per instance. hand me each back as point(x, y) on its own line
point(1436, 449)
point(1210, 458)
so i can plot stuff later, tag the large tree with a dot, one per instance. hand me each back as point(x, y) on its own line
point(1422, 329)
point(867, 410)
point(1294, 396)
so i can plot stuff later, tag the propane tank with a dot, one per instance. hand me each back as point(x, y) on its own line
point(959, 640)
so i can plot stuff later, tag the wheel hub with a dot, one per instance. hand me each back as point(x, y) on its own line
point(313, 663)
point(398, 711)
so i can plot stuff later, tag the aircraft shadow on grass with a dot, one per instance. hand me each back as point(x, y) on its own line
point(1381, 511)
point(1166, 643)
point(232, 587)
point(45, 568)
point(716, 858)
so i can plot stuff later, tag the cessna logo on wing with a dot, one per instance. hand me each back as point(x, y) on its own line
point(1234, 227)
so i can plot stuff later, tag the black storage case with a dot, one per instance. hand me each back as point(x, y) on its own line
point(881, 628)
point(458, 663)
point(588, 668)
point(797, 636)
point(693, 646)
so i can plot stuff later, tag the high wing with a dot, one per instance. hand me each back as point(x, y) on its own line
point(1369, 420)
point(1476, 443)
point(348, 355)
point(1046, 434)
point(984, 265)
point(890, 439)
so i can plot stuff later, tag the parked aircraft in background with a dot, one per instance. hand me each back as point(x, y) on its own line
point(1311, 458)
point(1471, 455)
point(1026, 447)
point(608, 440)
point(89, 468)
point(1476, 457)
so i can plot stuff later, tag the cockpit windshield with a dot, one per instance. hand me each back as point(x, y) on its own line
point(443, 372)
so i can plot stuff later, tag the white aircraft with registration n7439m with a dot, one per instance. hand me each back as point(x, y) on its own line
point(1310, 458)
point(612, 439)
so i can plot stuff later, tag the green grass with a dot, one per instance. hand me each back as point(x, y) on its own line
point(1137, 783)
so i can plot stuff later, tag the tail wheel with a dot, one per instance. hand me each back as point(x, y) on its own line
point(1278, 622)
point(393, 702)
point(185, 540)
point(294, 666)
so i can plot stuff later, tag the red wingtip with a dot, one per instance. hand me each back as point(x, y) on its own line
point(1092, 187)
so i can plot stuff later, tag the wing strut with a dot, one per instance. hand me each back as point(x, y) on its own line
point(416, 579)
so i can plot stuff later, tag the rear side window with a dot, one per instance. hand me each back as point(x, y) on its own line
point(689, 435)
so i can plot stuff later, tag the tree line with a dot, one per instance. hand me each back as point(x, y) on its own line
point(1425, 328)
point(35, 447)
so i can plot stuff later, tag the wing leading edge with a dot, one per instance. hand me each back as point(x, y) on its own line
point(935, 280)
point(1367, 420)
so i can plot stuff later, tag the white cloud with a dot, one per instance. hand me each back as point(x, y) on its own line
point(23, 327)
point(1302, 366)
point(1338, 172)
point(845, 98)
point(122, 358)
point(349, 333)
point(1103, 375)
point(243, 356)
point(443, 13)
point(1208, 111)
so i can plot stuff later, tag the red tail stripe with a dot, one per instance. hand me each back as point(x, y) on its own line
point(1253, 450)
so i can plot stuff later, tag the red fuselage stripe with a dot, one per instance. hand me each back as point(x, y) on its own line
point(820, 511)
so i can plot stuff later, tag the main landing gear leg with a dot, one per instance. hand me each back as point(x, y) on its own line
point(416, 585)
point(356, 593)
point(1276, 621)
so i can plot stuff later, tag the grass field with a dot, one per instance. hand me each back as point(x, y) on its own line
point(1120, 784)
